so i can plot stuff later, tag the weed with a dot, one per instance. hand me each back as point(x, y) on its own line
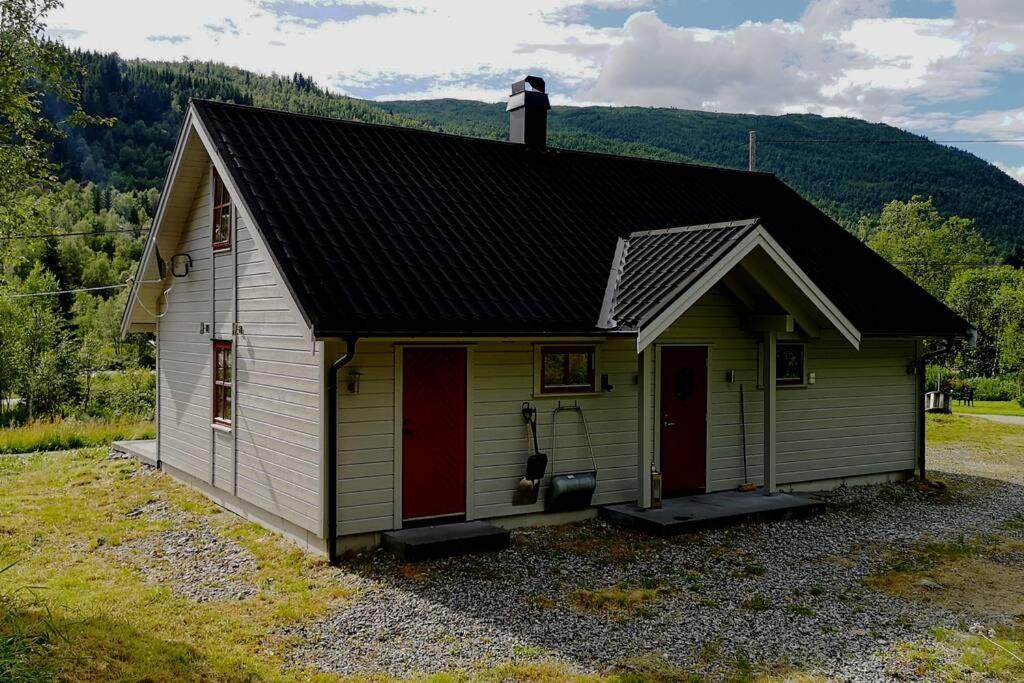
point(1014, 523)
point(756, 602)
point(618, 598)
point(528, 651)
point(752, 570)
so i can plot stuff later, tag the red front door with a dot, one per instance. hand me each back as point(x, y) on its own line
point(684, 395)
point(433, 433)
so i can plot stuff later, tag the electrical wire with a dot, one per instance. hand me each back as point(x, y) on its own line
point(6, 238)
point(63, 291)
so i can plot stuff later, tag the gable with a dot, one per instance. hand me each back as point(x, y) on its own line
point(191, 164)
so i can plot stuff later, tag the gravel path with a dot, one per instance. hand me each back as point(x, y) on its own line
point(190, 557)
point(779, 593)
point(1005, 419)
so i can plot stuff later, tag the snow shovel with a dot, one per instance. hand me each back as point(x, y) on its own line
point(570, 490)
point(536, 464)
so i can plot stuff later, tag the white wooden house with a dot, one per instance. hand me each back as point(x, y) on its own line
point(350, 317)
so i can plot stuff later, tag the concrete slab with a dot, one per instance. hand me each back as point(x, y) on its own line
point(444, 540)
point(143, 450)
point(704, 511)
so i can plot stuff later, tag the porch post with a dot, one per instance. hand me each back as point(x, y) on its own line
point(769, 412)
point(645, 444)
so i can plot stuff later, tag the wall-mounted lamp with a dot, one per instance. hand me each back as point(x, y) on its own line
point(606, 385)
point(353, 381)
point(730, 376)
point(181, 264)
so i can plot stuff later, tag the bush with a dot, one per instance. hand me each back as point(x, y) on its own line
point(62, 436)
point(999, 388)
point(1003, 388)
point(127, 394)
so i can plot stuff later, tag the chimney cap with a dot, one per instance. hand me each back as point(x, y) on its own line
point(528, 83)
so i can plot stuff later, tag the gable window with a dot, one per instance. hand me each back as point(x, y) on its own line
point(567, 369)
point(221, 214)
point(222, 382)
point(789, 365)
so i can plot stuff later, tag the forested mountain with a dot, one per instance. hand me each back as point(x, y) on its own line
point(874, 165)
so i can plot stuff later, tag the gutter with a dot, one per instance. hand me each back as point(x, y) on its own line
point(922, 364)
point(331, 495)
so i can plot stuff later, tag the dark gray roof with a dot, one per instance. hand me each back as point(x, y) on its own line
point(655, 266)
point(381, 230)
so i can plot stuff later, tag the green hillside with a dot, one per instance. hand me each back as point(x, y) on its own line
point(846, 180)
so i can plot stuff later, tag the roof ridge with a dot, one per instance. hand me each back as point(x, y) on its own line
point(472, 138)
point(741, 223)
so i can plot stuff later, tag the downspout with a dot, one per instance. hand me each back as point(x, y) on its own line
point(922, 364)
point(332, 447)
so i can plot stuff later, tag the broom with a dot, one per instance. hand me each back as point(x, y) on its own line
point(746, 486)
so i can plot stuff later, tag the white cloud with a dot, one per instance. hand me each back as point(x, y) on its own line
point(1015, 172)
point(842, 57)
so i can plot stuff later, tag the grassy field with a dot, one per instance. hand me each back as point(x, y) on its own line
point(991, 408)
point(71, 607)
point(62, 436)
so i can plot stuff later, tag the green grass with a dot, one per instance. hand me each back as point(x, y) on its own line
point(973, 432)
point(991, 408)
point(981, 653)
point(62, 436)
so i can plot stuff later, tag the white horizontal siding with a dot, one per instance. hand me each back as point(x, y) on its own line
point(858, 416)
point(183, 424)
point(502, 379)
point(271, 457)
point(278, 403)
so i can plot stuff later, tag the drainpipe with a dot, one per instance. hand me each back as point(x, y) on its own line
point(922, 364)
point(332, 447)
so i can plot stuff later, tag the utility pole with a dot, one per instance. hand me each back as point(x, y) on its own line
point(752, 155)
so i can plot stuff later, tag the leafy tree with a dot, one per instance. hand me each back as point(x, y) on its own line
point(30, 69)
point(925, 245)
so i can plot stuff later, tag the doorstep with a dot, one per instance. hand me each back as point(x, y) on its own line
point(710, 510)
point(444, 540)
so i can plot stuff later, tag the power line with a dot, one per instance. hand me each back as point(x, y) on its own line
point(63, 291)
point(68, 234)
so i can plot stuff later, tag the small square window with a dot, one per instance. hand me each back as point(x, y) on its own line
point(221, 214)
point(567, 369)
point(222, 382)
point(789, 364)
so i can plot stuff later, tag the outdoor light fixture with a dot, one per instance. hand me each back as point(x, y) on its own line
point(606, 385)
point(181, 264)
point(353, 381)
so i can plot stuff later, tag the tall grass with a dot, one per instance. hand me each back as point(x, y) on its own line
point(60, 436)
point(27, 634)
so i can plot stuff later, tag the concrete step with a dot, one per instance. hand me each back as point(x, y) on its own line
point(711, 510)
point(444, 540)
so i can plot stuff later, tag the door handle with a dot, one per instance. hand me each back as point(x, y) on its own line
point(668, 424)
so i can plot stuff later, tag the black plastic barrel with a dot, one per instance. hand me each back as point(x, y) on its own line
point(570, 491)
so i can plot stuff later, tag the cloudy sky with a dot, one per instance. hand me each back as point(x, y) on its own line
point(950, 69)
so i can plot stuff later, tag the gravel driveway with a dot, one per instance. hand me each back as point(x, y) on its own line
point(786, 593)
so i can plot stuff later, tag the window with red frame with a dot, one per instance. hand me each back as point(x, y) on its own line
point(566, 369)
point(222, 382)
point(221, 214)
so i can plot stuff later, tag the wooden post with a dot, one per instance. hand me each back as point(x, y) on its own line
point(769, 412)
point(752, 152)
point(645, 388)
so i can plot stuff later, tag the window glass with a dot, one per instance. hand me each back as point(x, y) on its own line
point(222, 382)
point(789, 364)
point(567, 369)
point(221, 214)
